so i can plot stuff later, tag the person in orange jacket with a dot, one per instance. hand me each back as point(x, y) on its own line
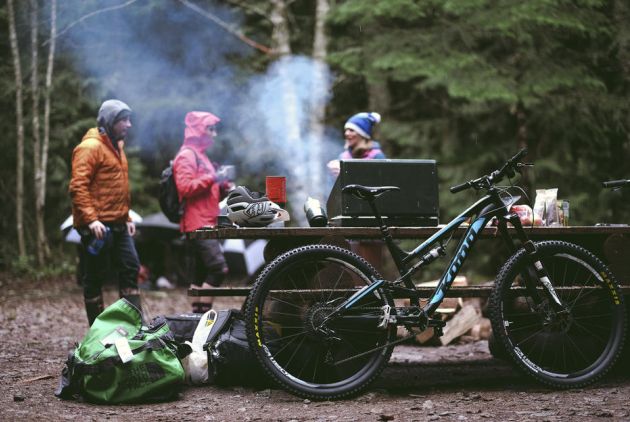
point(99, 189)
point(199, 186)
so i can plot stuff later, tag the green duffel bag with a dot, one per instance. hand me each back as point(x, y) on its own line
point(121, 361)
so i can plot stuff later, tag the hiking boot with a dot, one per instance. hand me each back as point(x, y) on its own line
point(93, 307)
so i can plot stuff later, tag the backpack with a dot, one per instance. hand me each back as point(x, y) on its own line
point(168, 196)
point(224, 357)
point(230, 360)
point(121, 361)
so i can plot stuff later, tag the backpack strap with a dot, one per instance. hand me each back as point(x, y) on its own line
point(197, 160)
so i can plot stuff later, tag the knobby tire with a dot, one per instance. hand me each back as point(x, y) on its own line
point(567, 349)
point(291, 298)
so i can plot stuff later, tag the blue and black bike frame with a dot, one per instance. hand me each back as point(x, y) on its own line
point(481, 212)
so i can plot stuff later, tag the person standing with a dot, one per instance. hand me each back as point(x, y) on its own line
point(358, 132)
point(359, 144)
point(199, 186)
point(99, 190)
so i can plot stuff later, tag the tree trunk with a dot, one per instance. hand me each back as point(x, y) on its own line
point(46, 141)
point(282, 48)
point(19, 113)
point(319, 95)
point(37, 175)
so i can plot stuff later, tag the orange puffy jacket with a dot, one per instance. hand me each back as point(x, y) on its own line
point(99, 187)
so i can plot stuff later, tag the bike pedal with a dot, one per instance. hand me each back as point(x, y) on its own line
point(436, 323)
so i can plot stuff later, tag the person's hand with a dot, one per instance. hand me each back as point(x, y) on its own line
point(228, 186)
point(131, 228)
point(97, 228)
point(334, 167)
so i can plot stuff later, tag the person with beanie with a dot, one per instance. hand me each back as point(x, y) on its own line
point(99, 190)
point(358, 131)
point(200, 187)
point(359, 144)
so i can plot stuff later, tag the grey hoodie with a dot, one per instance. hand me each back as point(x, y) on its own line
point(112, 111)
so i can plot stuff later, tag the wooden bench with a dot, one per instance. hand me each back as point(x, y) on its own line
point(611, 243)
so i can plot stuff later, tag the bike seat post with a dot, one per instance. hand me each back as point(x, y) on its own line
point(377, 215)
point(397, 254)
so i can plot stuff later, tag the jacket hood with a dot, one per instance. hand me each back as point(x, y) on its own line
point(196, 124)
point(112, 111)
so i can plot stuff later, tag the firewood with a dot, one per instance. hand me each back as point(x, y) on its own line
point(463, 321)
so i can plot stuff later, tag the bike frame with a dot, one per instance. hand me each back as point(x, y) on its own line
point(482, 211)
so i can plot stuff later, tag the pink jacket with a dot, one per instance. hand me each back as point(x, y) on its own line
point(195, 174)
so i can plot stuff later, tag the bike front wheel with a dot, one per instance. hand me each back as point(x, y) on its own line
point(299, 343)
point(562, 346)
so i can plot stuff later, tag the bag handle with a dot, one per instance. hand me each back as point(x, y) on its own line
point(81, 368)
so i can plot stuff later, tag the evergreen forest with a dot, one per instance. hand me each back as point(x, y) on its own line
point(464, 82)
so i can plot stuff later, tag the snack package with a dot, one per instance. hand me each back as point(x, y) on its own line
point(526, 215)
point(545, 207)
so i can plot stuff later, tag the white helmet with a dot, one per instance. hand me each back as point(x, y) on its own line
point(253, 209)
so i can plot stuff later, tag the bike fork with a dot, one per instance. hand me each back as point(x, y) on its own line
point(538, 272)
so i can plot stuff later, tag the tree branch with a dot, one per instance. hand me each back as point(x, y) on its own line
point(227, 27)
point(89, 15)
point(254, 9)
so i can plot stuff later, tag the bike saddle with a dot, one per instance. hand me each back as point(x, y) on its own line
point(368, 192)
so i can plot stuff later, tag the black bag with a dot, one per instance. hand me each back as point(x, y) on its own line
point(230, 360)
point(169, 200)
point(183, 326)
point(168, 196)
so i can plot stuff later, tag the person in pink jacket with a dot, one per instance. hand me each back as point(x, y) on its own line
point(199, 186)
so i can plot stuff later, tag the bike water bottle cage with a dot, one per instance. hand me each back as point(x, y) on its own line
point(368, 193)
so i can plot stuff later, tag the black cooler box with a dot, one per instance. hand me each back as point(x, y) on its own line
point(415, 205)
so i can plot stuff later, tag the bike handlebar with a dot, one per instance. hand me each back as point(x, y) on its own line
point(509, 168)
point(460, 187)
point(615, 183)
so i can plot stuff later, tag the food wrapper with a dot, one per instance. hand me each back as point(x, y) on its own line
point(546, 208)
point(526, 215)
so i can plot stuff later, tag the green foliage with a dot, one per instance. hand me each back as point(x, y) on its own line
point(27, 267)
point(471, 80)
point(465, 82)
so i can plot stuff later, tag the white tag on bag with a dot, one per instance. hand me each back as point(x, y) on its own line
point(124, 351)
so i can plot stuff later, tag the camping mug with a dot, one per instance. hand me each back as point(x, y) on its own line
point(276, 187)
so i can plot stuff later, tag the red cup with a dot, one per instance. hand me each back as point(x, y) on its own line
point(276, 187)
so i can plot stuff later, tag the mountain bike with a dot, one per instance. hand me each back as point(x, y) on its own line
point(322, 321)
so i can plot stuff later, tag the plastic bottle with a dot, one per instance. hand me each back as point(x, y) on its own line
point(96, 245)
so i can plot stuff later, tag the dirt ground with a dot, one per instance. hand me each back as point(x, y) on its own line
point(41, 321)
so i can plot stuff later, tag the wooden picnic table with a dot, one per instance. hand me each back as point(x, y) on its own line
point(611, 243)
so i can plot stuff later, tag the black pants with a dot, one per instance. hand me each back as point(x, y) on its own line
point(119, 255)
point(206, 262)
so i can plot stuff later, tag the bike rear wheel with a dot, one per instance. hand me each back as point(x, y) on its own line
point(289, 330)
point(561, 348)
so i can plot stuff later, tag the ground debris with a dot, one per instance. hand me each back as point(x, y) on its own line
point(458, 382)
